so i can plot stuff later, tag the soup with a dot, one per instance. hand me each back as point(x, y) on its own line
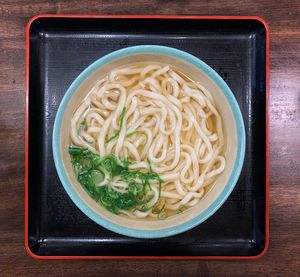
point(147, 141)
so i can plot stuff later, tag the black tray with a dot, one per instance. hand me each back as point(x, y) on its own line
point(60, 48)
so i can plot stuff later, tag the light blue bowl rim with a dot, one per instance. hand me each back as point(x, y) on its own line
point(241, 141)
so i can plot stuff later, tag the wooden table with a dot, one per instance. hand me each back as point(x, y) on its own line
point(283, 257)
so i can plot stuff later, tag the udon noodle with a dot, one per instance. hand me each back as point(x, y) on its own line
point(168, 120)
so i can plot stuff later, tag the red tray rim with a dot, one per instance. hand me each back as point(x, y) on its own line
point(120, 16)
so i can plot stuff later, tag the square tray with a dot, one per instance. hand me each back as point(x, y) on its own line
point(59, 47)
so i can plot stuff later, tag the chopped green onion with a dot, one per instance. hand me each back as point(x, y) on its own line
point(159, 211)
point(132, 133)
point(95, 174)
point(97, 177)
point(74, 150)
point(115, 135)
point(162, 215)
point(149, 164)
point(120, 126)
point(81, 127)
point(181, 209)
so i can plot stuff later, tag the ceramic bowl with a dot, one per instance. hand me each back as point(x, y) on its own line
point(233, 128)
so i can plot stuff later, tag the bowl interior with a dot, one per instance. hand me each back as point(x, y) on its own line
point(77, 93)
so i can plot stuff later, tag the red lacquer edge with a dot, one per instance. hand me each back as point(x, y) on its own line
point(148, 257)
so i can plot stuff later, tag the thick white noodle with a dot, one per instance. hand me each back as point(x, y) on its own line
point(169, 120)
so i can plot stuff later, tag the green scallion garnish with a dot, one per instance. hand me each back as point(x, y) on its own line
point(95, 174)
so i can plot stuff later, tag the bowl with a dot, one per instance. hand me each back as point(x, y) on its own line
point(232, 123)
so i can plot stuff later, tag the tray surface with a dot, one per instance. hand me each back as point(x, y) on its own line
point(60, 48)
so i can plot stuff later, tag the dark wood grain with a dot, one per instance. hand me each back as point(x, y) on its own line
point(283, 257)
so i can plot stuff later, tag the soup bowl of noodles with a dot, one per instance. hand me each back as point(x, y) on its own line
point(148, 141)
